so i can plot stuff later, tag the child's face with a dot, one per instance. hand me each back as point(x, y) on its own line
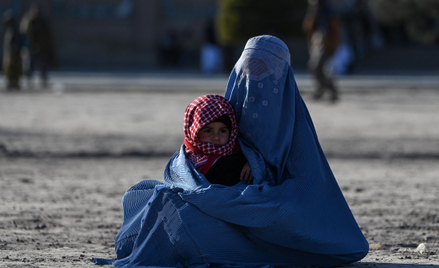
point(216, 133)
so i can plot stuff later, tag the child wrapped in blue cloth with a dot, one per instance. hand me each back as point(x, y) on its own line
point(293, 213)
point(211, 141)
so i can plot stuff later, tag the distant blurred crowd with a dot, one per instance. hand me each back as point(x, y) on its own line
point(374, 24)
point(364, 25)
point(341, 32)
point(419, 20)
point(28, 47)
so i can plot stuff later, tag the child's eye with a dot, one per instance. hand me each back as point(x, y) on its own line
point(224, 130)
point(207, 130)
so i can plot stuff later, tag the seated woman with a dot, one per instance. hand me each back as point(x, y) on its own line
point(293, 213)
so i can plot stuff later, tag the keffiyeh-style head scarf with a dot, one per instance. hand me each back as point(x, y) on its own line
point(203, 111)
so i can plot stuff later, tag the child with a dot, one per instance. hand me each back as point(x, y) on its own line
point(211, 141)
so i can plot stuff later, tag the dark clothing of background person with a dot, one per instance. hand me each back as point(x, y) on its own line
point(322, 27)
point(40, 43)
point(12, 63)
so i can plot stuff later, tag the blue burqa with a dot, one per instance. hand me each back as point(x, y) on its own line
point(293, 214)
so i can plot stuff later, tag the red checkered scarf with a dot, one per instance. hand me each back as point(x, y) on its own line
point(200, 112)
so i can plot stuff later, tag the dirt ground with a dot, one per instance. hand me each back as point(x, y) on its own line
point(67, 159)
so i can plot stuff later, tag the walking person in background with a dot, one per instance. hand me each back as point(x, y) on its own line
point(41, 50)
point(12, 64)
point(323, 29)
point(211, 59)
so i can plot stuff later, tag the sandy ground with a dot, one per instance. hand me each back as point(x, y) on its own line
point(66, 160)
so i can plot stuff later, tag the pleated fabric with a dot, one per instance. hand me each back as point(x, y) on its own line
point(294, 213)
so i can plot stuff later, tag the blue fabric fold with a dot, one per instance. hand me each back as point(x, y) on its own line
point(294, 214)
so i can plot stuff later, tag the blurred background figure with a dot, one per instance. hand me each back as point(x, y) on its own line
point(360, 33)
point(211, 53)
point(12, 63)
point(238, 20)
point(323, 29)
point(170, 50)
point(40, 54)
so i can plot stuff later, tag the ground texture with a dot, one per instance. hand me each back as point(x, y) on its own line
point(66, 159)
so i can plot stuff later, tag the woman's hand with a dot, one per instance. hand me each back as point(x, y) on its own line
point(246, 174)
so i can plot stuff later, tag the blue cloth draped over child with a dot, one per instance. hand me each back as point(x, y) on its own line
point(293, 214)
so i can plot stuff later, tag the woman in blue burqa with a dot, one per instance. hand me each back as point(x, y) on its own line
point(293, 214)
